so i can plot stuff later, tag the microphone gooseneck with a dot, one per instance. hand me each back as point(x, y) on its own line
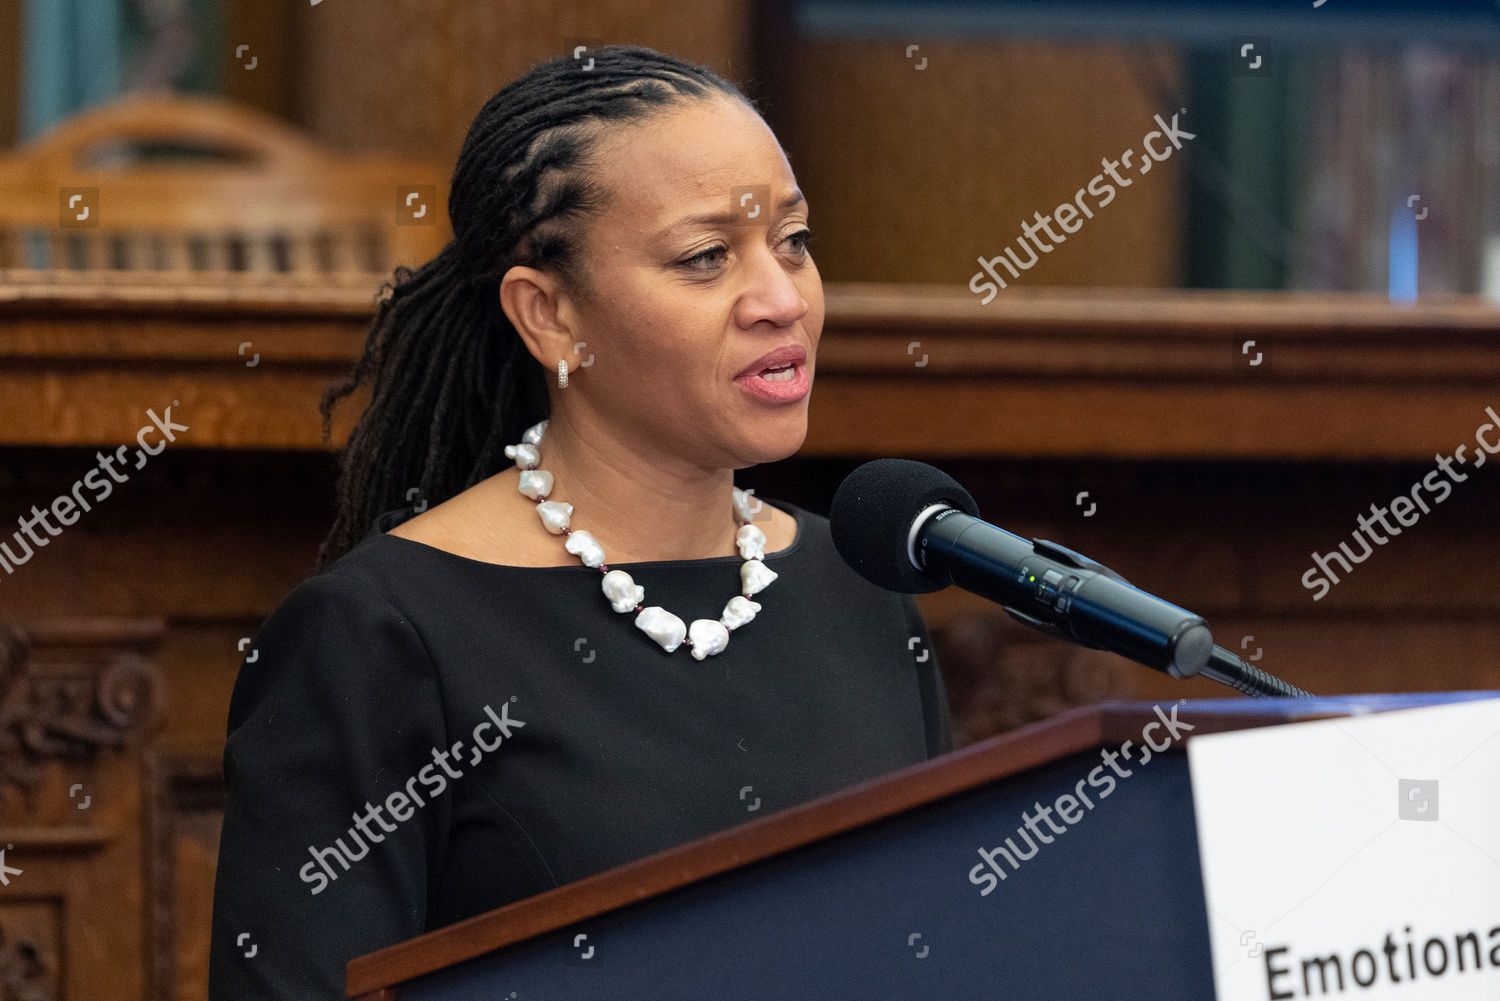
point(1228, 668)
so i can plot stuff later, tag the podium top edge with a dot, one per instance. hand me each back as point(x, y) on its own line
point(1321, 705)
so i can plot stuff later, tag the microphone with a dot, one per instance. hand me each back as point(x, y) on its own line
point(908, 527)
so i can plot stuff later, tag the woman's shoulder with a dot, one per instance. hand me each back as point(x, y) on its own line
point(332, 643)
point(372, 598)
point(347, 602)
point(483, 523)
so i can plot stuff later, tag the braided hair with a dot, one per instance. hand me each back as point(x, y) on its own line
point(451, 381)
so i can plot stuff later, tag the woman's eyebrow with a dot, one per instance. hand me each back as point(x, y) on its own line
point(727, 217)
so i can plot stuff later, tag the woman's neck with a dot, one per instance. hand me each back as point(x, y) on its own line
point(639, 508)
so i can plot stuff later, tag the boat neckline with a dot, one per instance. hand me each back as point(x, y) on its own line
point(796, 544)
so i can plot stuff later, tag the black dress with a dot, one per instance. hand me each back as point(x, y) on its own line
point(416, 737)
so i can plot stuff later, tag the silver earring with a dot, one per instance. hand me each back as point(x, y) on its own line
point(562, 373)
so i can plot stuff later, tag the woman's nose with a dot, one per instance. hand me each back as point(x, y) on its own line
point(771, 294)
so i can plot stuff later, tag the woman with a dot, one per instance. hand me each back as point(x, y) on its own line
point(588, 646)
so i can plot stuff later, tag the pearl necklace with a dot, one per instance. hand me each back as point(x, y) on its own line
point(705, 636)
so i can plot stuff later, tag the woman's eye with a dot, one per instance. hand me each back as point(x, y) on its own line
point(706, 260)
point(712, 258)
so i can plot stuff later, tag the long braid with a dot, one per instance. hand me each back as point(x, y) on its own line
point(451, 381)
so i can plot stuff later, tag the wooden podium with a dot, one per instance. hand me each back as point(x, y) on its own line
point(867, 894)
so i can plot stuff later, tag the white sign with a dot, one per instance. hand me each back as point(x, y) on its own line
point(1356, 857)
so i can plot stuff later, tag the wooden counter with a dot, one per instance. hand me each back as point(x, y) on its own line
point(1058, 373)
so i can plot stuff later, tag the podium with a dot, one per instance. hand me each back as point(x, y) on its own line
point(879, 890)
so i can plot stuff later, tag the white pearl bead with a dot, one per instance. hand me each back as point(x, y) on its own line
point(747, 504)
point(584, 546)
point(739, 611)
point(526, 456)
point(533, 435)
point(662, 626)
point(556, 515)
point(709, 637)
point(752, 542)
point(536, 483)
point(755, 576)
point(622, 591)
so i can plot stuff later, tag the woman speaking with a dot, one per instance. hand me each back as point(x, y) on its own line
point(549, 635)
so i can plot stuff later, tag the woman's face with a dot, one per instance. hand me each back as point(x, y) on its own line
point(696, 267)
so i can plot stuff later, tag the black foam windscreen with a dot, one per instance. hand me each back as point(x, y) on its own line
point(873, 512)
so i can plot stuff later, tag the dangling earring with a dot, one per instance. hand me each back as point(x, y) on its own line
point(562, 373)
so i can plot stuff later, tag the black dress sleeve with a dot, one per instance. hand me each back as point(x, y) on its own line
point(336, 707)
point(935, 709)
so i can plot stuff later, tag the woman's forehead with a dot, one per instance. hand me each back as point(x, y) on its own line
point(686, 160)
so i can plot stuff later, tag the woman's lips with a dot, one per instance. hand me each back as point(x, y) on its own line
point(794, 354)
point(778, 392)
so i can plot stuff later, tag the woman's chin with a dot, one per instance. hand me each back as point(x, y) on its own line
point(772, 444)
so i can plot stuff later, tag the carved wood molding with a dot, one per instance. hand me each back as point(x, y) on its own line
point(70, 689)
point(181, 786)
point(1139, 375)
point(29, 956)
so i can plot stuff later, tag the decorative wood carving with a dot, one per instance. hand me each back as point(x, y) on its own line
point(186, 808)
point(68, 707)
point(29, 954)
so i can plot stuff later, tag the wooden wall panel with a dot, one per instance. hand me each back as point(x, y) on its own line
point(440, 60)
point(912, 174)
point(265, 75)
point(77, 698)
point(10, 72)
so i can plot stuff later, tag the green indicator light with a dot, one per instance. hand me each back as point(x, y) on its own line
point(1032, 578)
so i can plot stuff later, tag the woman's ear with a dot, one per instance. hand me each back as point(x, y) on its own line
point(537, 307)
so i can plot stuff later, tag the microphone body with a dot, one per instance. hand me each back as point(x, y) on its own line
point(911, 528)
point(1057, 590)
